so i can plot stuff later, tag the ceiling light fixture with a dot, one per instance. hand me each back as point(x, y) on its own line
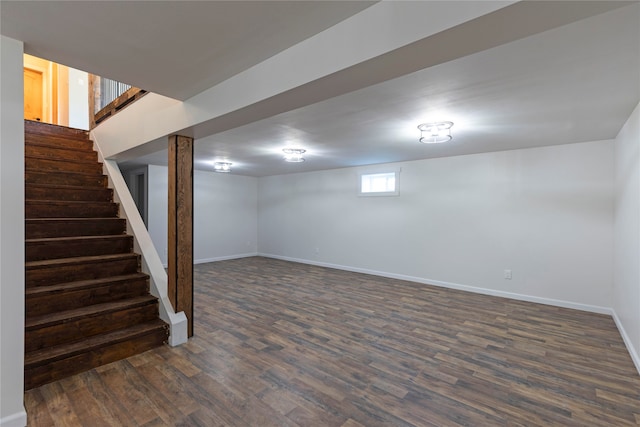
point(435, 133)
point(294, 155)
point(222, 167)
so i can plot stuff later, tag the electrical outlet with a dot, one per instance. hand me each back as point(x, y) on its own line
point(317, 250)
point(507, 274)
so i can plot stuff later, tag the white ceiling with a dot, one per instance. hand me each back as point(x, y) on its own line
point(174, 48)
point(575, 83)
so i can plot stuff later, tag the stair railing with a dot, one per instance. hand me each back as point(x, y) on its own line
point(151, 263)
point(110, 90)
point(107, 97)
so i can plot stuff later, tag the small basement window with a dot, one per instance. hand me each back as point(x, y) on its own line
point(379, 184)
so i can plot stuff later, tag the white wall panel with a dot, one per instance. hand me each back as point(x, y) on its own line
point(626, 289)
point(225, 214)
point(544, 213)
point(11, 233)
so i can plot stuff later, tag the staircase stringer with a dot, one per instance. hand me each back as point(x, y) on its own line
point(151, 263)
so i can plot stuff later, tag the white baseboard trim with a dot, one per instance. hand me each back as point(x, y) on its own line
point(224, 258)
point(19, 419)
point(474, 289)
point(627, 341)
point(220, 258)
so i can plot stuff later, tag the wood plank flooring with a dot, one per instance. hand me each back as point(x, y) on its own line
point(284, 344)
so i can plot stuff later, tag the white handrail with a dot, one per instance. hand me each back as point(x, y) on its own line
point(143, 245)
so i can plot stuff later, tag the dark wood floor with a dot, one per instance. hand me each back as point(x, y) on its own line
point(283, 344)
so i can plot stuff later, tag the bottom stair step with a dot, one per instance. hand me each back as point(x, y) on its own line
point(78, 324)
point(54, 363)
point(41, 300)
point(61, 270)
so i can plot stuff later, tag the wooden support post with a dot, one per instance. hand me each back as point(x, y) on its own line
point(180, 248)
point(94, 96)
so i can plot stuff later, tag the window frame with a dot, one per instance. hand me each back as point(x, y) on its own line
point(395, 192)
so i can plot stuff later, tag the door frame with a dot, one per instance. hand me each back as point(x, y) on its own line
point(55, 89)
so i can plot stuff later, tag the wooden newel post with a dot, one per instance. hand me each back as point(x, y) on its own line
point(180, 235)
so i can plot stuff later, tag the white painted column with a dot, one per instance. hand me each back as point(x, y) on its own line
point(12, 411)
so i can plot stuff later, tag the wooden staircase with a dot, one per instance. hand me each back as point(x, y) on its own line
point(87, 303)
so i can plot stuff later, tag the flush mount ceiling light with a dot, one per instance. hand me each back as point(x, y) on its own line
point(294, 155)
point(222, 167)
point(435, 133)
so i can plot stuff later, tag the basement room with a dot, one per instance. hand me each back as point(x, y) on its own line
point(316, 213)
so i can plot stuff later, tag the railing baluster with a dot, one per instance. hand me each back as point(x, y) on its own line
point(109, 96)
point(110, 90)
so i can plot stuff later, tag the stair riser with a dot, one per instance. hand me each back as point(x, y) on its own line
point(38, 305)
point(36, 251)
point(52, 275)
point(78, 329)
point(49, 152)
point(54, 131)
point(40, 375)
point(34, 192)
point(46, 165)
point(56, 142)
point(65, 228)
point(35, 209)
point(61, 178)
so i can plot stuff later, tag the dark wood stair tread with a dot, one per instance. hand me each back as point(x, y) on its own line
point(54, 165)
point(88, 311)
point(59, 262)
point(43, 227)
point(78, 193)
point(43, 208)
point(81, 284)
point(43, 272)
point(47, 208)
point(93, 162)
point(74, 219)
point(80, 220)
point(32, 127)
point(60, 152)
point(36, 176)
point(46, 142)
point(77, 238)
point(51, 354)
point(65, 186)
point(58, 138)
point(67, 202)
point(37, 170)
point(67, 193)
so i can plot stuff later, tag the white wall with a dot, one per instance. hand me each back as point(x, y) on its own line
point(545, 213)
point(78, 99)
point(157, 203)
point(626, 288)
point(225, 214)
point(11, 234)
